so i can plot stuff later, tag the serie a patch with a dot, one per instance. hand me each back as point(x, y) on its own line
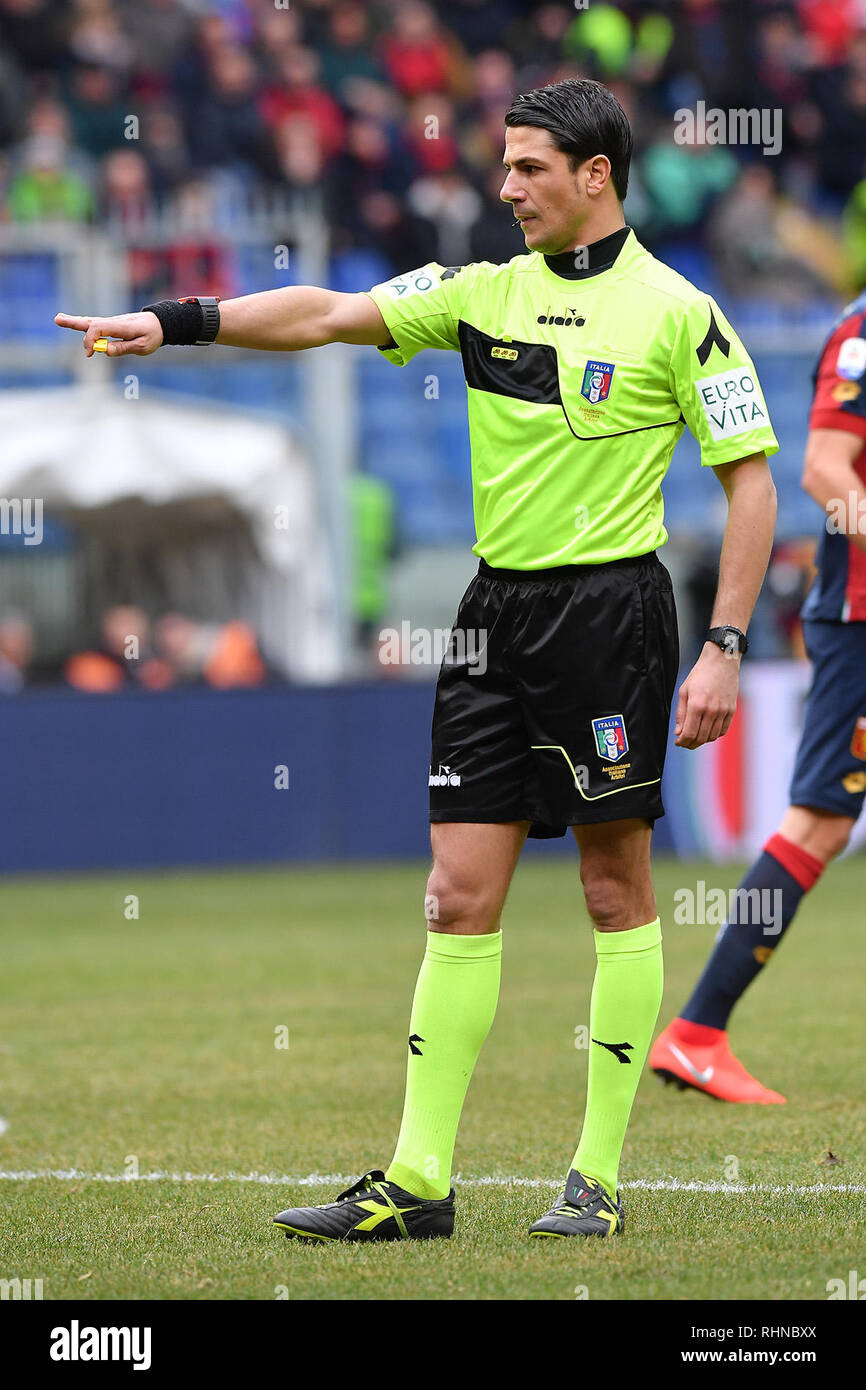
point(731, 402)
point(851, 362)
point(858, 739)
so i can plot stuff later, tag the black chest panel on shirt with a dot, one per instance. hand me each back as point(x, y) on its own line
point(524, 371)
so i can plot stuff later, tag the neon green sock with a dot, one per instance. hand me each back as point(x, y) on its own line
point(626, 996)
point(455, 1000)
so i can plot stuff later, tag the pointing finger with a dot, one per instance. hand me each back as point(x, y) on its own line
point(73, 321)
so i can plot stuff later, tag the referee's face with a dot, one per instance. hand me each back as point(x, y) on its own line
point(549, 198)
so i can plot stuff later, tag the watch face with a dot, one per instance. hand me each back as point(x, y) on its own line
point(730, 640)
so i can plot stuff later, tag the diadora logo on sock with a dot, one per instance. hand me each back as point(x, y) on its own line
point(443, 778)
point(618, 1049)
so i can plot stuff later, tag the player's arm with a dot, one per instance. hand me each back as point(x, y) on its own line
point(284, 320)
point(829, 478)
point(747, 542)
point(837, 428)
point(715, 383)
point(708, 695)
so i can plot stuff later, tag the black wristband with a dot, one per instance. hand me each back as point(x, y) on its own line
point(186, 322)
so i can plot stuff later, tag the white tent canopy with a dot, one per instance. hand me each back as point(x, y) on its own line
point(86, 447)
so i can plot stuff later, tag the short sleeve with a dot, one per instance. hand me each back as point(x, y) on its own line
point(716, 387)
point(421, 309)
point(839, 402)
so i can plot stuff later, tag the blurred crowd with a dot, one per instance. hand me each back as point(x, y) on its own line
point(391, 111)
point(388, 115)
point(132, 652)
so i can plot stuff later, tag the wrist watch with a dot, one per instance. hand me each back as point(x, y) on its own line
point(730, 639)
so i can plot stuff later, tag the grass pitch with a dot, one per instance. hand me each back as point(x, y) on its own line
point(153, 1045)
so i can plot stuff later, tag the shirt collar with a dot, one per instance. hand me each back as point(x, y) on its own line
point(600, 255)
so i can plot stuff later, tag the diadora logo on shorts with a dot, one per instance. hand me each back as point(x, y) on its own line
point(610, 739)
point(509, 354)
point(597, 378)
point(443, 778)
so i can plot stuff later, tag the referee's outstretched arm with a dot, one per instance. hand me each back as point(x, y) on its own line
point(708, 695)
point(284, 320)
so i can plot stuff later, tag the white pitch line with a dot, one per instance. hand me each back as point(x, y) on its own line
point(499, 1180)
point(4, 1125)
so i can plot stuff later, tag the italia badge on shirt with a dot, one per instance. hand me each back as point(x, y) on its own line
point(597, 377)
point(610, 740)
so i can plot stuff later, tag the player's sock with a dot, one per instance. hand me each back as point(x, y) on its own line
point(626, 996)
point(743, 947)
point(455, 1000)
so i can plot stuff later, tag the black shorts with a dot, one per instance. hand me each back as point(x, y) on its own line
point(554, 697)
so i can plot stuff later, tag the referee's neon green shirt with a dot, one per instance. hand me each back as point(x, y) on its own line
point(579, 389)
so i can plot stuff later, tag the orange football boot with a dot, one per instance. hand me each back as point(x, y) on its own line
point(690, 1054)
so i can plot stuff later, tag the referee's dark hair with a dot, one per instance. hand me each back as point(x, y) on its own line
point(583, 118)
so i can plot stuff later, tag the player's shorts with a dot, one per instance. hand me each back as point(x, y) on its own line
point(554, 697)
point(830, 771)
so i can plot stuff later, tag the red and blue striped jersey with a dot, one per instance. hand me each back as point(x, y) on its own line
point(839, 403)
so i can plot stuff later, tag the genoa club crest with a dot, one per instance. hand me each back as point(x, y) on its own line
point(610, 740)
point(597, 377)
point(858, 739)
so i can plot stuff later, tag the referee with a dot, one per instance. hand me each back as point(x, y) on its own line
point(583, 360)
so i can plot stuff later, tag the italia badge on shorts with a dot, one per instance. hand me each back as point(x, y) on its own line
point(610, 740)
point(597, 377)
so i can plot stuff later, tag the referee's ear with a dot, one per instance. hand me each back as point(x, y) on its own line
point(596, 172)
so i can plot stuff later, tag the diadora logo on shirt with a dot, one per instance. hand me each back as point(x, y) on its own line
point(443, 778)
point(569, 319)
point(610, 740)
point(597, 378)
